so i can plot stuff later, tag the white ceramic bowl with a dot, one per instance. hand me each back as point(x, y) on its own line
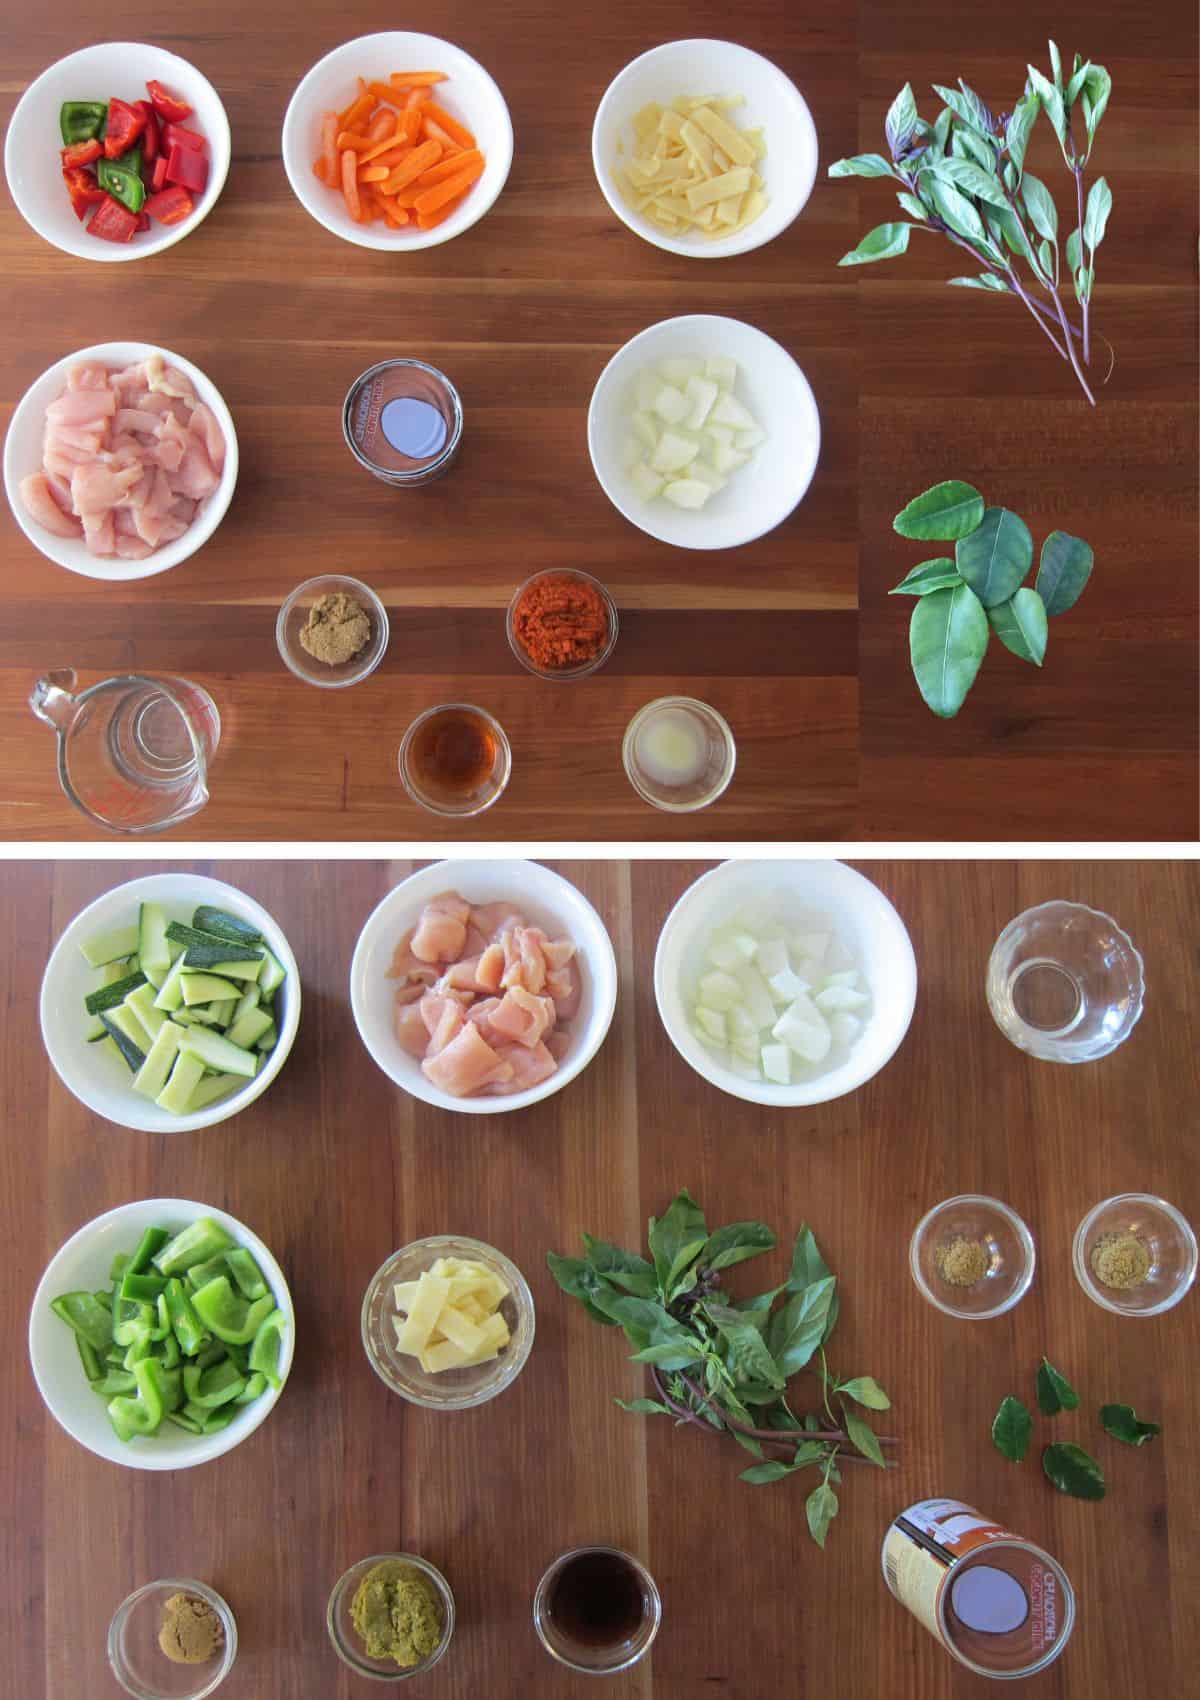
point(864, 920)
point(471, 95)
point(92, 1076)
point(761, 494)
point(550, 901)
point(110, 68)
point(83, 1263)
point(772, 103)
point(23, 455)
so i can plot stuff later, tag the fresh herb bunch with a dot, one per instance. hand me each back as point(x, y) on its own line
point(961, 602)
point(1069, 1467)
point(964, 177)
point(724, 1364)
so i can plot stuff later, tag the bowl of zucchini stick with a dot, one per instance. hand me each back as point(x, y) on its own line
point(170, 1003)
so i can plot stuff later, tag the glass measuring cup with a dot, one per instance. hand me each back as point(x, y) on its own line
point(133, 751)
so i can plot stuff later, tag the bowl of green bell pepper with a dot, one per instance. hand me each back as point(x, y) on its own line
point(161, 1334)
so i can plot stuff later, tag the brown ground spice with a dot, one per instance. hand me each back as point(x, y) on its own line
point(337, 628)
point(1120, 1260)
point(962, 1262)
point(191, 1631)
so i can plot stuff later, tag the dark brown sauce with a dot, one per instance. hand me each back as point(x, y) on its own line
point(453, 754)
point(597, 1600)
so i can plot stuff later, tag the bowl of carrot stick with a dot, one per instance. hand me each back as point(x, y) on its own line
point(397, 140)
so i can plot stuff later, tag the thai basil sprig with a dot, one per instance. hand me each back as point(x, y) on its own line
point(964, 177)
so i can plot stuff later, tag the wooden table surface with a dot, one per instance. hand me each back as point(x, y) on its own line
point(334, 1168)
point(915, 382)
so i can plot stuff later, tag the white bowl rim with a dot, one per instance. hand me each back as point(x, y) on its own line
point(225, 1440)
point(730, 247)
point(399, 241)
point(216, 891)
point(1019, 1226)
point(220, 159)
point(112, 569)
point(801, 1094)
point(456, 869)
point(709, 322)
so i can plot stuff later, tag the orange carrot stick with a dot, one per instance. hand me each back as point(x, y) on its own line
point(357, 109)
point(391, 155)
point(319, 170)
point(385, 91)
point(416, 98)
point(372, 173)
point(433, 132)
point(415, 79)
point(396, 216)
point(419, 160)
point(457, 132)
point(430, 221)
point(350, 184)
point(449, 167)
point(410, 122)
point(450, 190)
point(380, 147)
point(357, 139)
point(329, 153)
point(382, 125)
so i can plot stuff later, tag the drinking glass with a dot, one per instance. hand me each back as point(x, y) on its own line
point(1065, 983)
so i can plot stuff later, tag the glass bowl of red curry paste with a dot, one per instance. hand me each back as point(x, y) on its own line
point(562, 624)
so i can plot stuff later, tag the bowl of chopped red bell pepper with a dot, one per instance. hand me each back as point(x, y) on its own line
point(117, 151)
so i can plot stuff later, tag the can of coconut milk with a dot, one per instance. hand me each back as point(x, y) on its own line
point(997, 1603)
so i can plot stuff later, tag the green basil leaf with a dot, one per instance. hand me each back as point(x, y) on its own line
point(996, 556)
point(1012, 232)
point(1084, 278)
point(808, 1266)
point(798, 1329)
point(882, 243)
point(1052, 100)
point(967, 106)
point(867, 1391)
point(912, 205)
point(626, 1268)
point(985, 280)
point(1065, 567)
point(965, 175)
point(861, 165)
point(953, 206)
point(941, 132)
point(1048, 259)
point(1074, 252)
point(929, 576)
point(901, 121)
point(644, 1407)
point(735, 1243)
point(676, 1239)
point(1019, 128)
point(1020, 624)
point(970, 145)
point(948, 638)
point(751, 1361)
point(669, 1354)
point(945, 511)
point(1123, 1423)
point(747, 1443)
point(821, 1507)
point(1073, 1471)
point(577, 1278)
point(1039, 204)
point(863, 1436)
point(774, 1471)
point(1054, 1391)
point(758, 1309)
point(1095, 218)
point(1011, 1428)
point(1078, 79)
point(1097, 86)
point(1056, 66)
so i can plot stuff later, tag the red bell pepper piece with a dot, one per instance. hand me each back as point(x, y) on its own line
point(178, 135)
point(171, 206)
point(158, 177)
point(187, 168)
point(81, 153)
point(83, 189)
point(168, 106)
point(125, 125)
point(151, 146)
point(112, 221)
point(143, 220)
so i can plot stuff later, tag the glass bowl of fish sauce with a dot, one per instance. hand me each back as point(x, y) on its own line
point(972, 1257)
point(1135, 1255)
point(294, 616)
point(448, 1389)
point(348, 1643)
point(455, 759)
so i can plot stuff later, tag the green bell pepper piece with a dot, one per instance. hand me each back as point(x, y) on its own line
point(214, 1353)
point(210, 1421)
point(80, 120)
point(229, 1317)
point(152, 1241)
point(89, 1358)
point(200, 1274)
point(89, 1320)
point(267, 1350)
point(203, 1239)
point(122, 182)
point(115, 1381)
point(183, 1421)
point(146, 1288)
point(103, 1296)
point(246, 1273)
point(256, 1385)
point(142, 1347)
point(209, 1388)
point(143, 1415)
point(188, 1329)
point(167, 1352)
point(132, 1321)
point(240, 1356)
point(118, 1266)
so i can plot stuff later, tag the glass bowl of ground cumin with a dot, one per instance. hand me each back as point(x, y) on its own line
point(332, 631)
point(972, 1257)
point(172, 1640)
point(1135, 1254)
point(562, 624)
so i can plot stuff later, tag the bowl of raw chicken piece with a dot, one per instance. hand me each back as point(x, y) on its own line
point(120, 461)
point(483, 987)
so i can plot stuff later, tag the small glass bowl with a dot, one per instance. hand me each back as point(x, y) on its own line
point(453, 1389)
point(576, 1655)
point(581, 668)
point(1167, 1237)
point(139, 1663)
point(293, 615)
point(345, 1638)
point(488, 792)
point(1009, 1243)
point(1065, 983)
point(709, 784)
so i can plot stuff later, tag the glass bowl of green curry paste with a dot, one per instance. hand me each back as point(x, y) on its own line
point(391, 1616)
